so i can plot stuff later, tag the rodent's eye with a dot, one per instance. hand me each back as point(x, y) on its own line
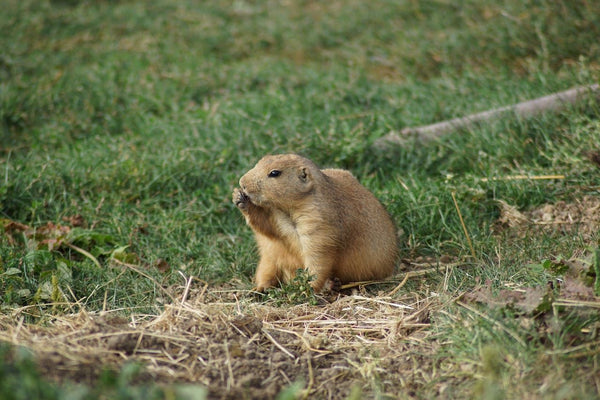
point(274, 173)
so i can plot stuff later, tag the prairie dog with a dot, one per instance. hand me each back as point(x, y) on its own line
point(323, 221)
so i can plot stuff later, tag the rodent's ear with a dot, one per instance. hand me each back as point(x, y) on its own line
point(304, 174)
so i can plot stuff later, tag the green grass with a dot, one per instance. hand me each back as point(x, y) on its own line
point(140, 117)
point(20, 380)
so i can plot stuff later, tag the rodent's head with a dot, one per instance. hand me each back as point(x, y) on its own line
point(278, 180)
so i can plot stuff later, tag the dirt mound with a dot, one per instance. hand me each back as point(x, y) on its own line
point(578, 217)
point(243, 349)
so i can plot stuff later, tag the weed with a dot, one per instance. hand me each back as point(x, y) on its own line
point(297, 291)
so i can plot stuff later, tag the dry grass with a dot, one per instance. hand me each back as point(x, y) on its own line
point(238, 347)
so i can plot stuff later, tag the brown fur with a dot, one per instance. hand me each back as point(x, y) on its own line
point(324, 221)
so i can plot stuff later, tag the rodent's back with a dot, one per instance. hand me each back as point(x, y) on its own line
point(369, 245)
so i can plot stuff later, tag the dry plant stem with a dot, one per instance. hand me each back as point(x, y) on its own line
point(158, 285)
point(279, 346)
point(397, 288)
point(464, 226)
point(513, 334)
point(394, 279)
point(85, 253)
point(526, 109)
point(77, 301)
point(523, 177)
point(231, 380)
point(188, 282)
point(575, 303)
point(17, 330)
point(24, 309)
point(304, 341)
point(377, 300)
point(311, 378)
point(139, 341)
point(592, 348)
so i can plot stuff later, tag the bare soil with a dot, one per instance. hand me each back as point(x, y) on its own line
point(580, 217)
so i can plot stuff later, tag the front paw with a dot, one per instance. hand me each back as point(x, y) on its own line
point(240, 199)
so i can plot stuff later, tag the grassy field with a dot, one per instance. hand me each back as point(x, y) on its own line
point(126, 272)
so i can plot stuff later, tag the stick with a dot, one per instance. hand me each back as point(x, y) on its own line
point(554, 102)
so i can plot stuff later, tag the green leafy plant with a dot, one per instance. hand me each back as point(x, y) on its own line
point(296, 291)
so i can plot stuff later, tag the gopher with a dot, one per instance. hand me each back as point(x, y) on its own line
point(323, 221)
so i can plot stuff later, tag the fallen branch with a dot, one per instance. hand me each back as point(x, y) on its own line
point(553, 102)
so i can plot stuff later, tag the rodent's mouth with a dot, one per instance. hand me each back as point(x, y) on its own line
point(248, 196)
point(244, 195)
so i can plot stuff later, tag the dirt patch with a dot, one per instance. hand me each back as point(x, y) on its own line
point(241, 349)
point(573, 282)
point(594, 157)
point(581, 217)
